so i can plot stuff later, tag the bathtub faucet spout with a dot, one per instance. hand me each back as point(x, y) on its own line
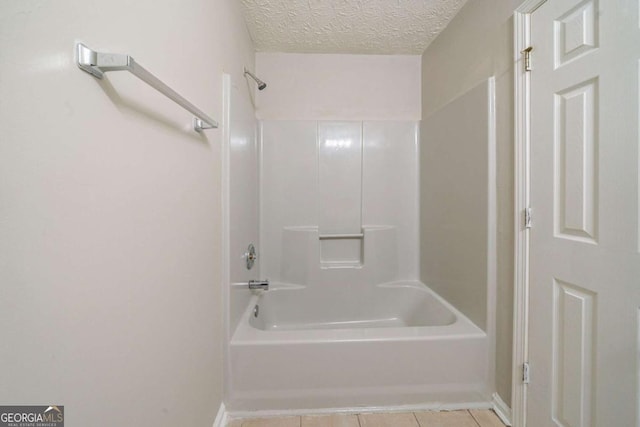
point(259, 284)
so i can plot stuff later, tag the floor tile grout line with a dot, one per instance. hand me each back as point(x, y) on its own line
point(417, 420)
point(474, 418)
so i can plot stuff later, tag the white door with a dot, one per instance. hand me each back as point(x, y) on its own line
point(585, 244)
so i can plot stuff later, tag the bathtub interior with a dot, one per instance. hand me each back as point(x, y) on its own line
point(402, 304)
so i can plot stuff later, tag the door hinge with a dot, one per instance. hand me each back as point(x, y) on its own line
point(527, 58)
point(525, 373)
point(527, 218)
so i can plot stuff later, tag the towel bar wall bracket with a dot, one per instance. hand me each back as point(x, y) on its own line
point(98, 63)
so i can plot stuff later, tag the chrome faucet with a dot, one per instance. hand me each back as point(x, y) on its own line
point(259, 284)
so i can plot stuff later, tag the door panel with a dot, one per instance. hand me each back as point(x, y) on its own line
point(584, 254)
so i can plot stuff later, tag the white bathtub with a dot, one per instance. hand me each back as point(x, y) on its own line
point(385, 345)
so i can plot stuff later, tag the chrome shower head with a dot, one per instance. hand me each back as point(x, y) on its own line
point(261, 84)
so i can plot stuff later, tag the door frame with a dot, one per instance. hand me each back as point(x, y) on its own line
point(522, 134)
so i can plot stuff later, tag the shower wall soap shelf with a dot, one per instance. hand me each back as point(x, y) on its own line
point(98, 63)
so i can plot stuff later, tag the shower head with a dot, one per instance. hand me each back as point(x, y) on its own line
point(261, 84)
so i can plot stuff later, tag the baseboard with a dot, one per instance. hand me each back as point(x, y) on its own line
point(363, 409)
point(222, 417)
point(502, 409)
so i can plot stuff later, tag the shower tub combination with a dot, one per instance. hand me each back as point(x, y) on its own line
point(349, 346)
point(346, 324)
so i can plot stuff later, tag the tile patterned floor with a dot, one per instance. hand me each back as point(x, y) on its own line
point(471, 418)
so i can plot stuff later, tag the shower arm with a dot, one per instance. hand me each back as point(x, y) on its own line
point(260, 82)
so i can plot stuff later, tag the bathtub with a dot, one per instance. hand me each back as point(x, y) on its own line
point(395, 344)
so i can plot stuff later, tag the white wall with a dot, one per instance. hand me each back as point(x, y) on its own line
point(338, 87)
point(110, 217)
point(478, 44)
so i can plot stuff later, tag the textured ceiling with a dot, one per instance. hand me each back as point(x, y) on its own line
point(347, 26)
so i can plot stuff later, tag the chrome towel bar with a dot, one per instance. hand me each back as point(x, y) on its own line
point(98, 63)
point(341, 236)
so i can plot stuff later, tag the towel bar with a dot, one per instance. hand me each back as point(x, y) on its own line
point(98, 63)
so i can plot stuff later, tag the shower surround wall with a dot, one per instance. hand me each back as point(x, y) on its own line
point(457, 197)
point(328, 178)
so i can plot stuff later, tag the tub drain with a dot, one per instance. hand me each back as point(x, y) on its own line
point(256, 310)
